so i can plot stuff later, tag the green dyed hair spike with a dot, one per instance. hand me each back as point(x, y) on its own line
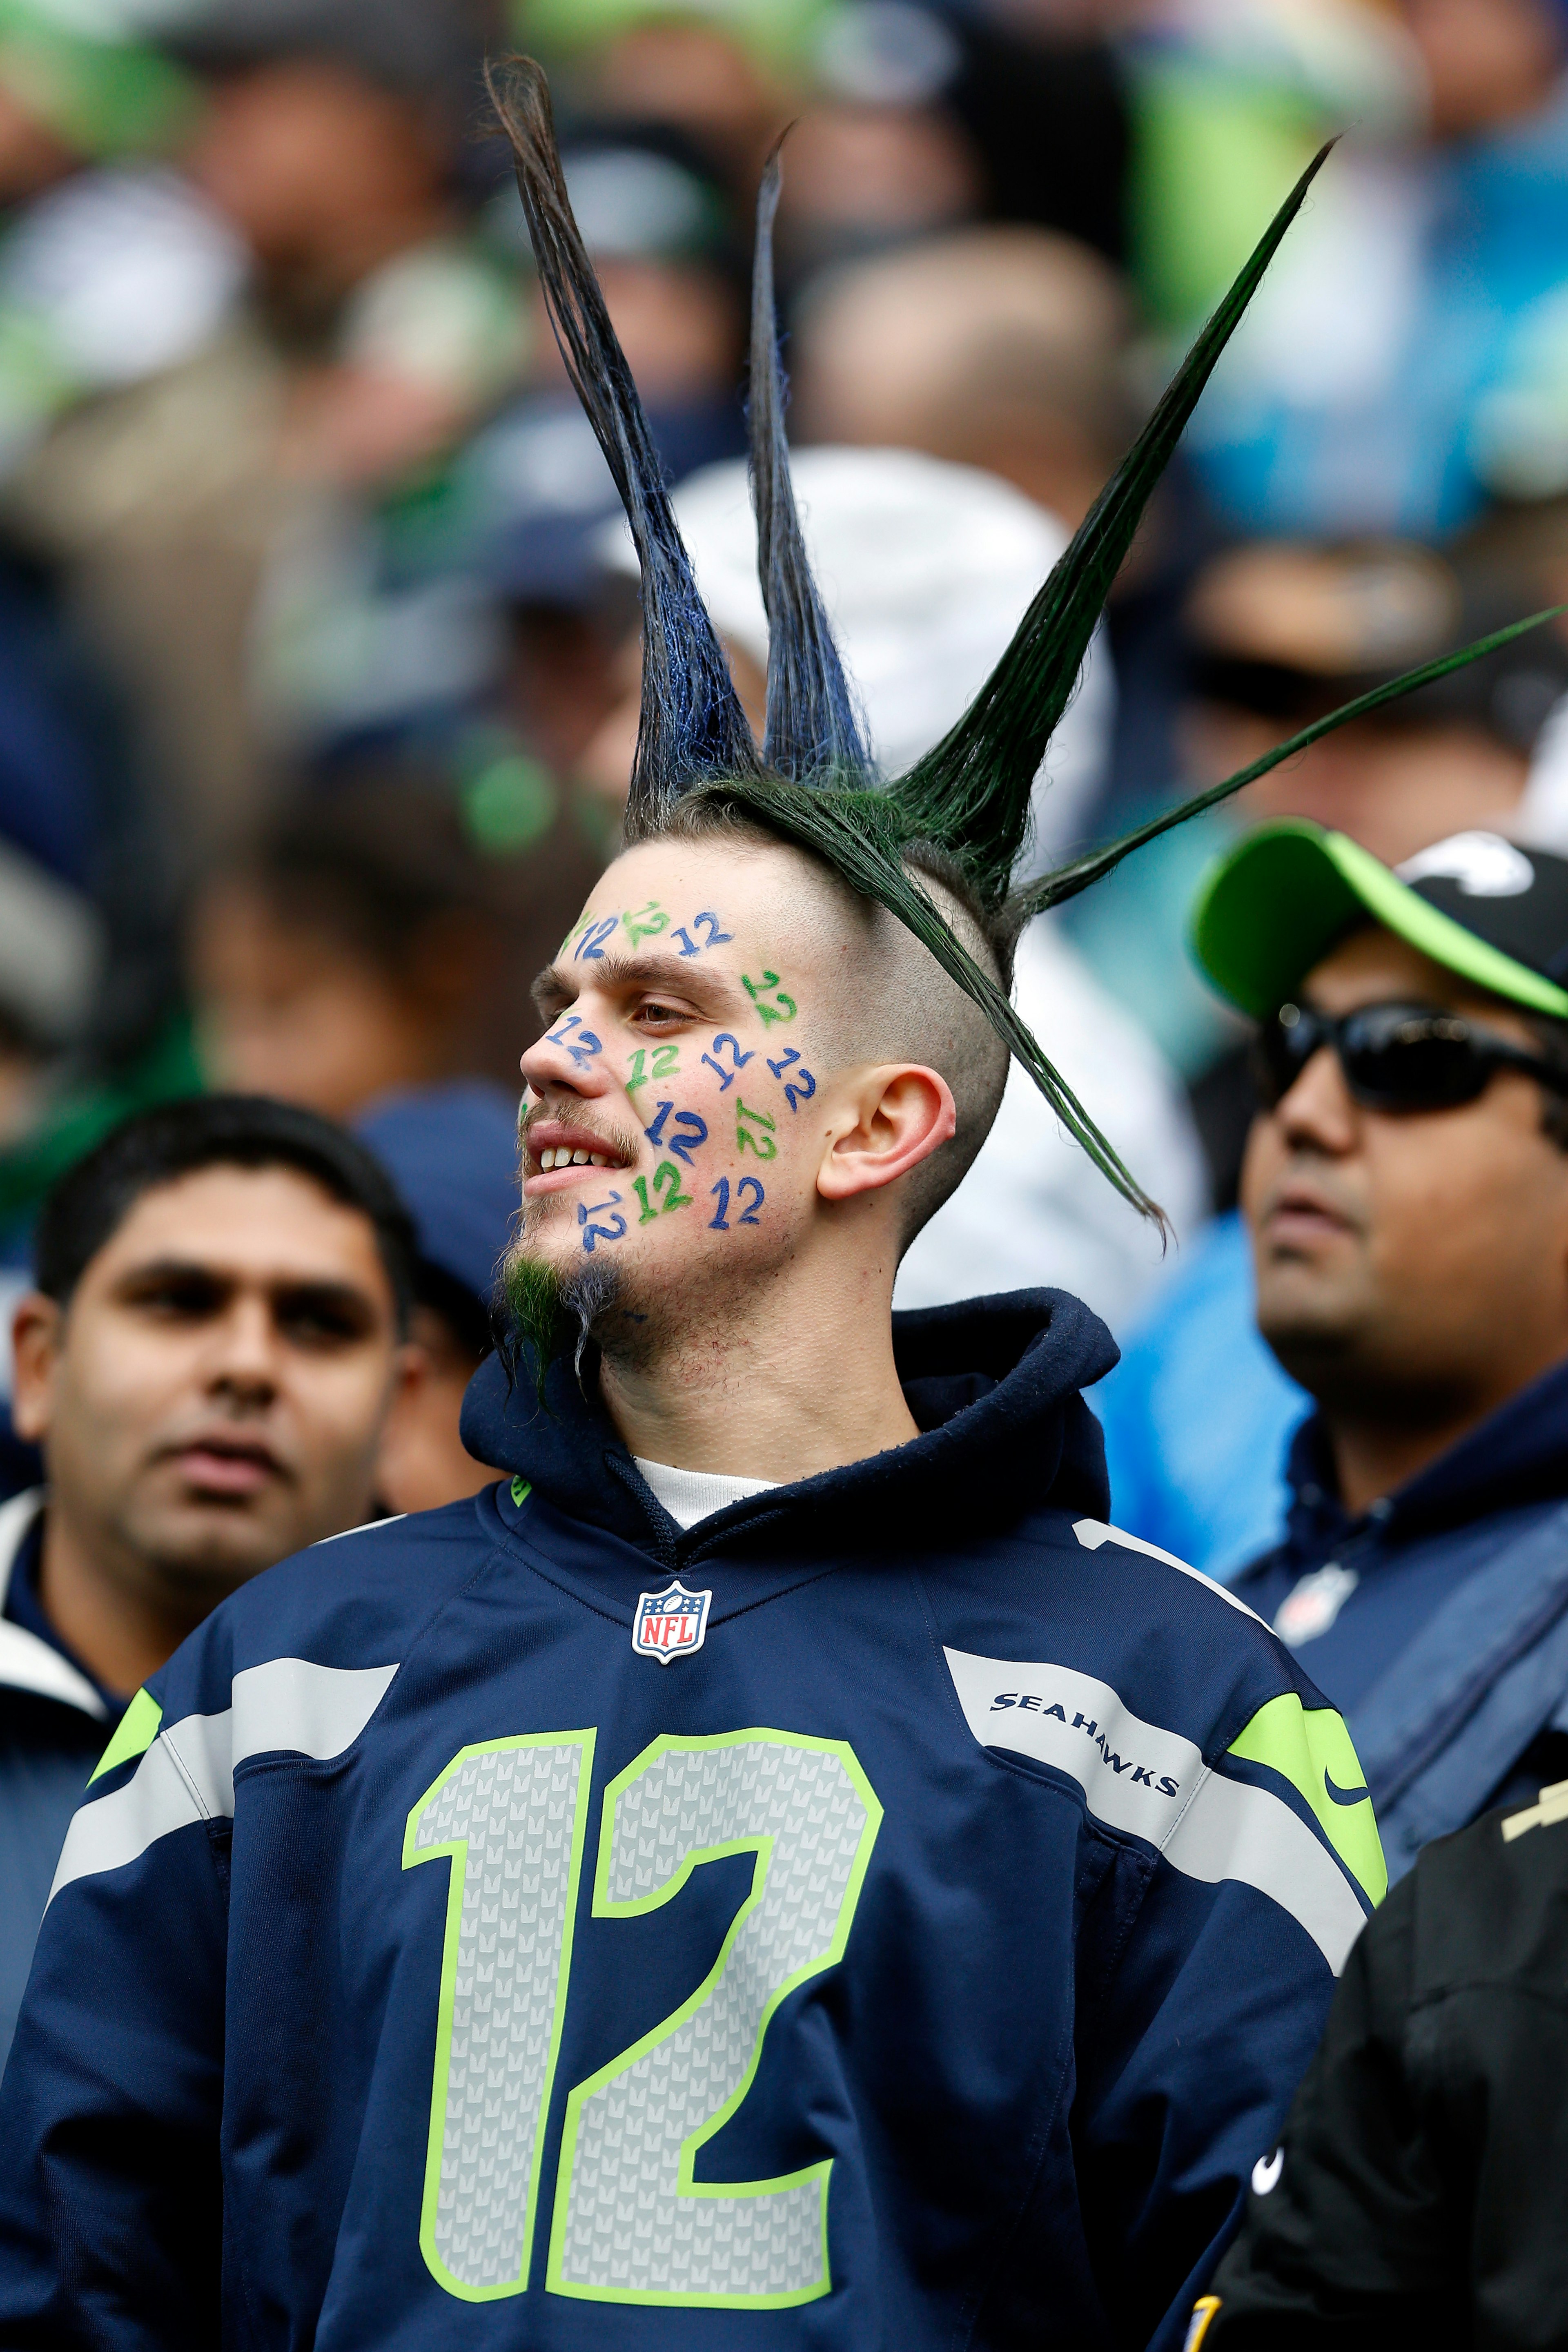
point(1067, 881)
point(970, 794)
point(969, 799)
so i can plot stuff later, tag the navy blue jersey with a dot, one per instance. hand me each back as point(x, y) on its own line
point(893, 1912)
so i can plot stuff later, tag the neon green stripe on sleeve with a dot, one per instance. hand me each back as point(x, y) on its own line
point(138, 1730)
point(1311, 1748)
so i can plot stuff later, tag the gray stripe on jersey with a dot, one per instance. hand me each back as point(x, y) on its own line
point(1138, 1776)
point(289, 1705)
point(1092, 1533)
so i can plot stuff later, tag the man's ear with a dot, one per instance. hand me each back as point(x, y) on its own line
point(897, 1115)
point(413, 1373)
point(37, 1328)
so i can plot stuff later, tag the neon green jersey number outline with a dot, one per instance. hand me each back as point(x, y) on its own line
point(512, 1814)
point(632, 2225)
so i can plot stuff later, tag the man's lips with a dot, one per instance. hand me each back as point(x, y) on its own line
point(557, 1154)
point(218, 1465)
point(1300, 1215)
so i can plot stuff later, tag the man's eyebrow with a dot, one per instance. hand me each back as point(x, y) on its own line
point(175, 1269)
point(337, 1287)
point(324, 1288)
point(560, 982)
point(325, 1295)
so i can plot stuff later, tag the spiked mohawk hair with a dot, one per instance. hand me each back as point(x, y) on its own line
point(963, 810)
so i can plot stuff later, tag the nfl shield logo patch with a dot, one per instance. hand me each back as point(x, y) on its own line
point(670, 1624)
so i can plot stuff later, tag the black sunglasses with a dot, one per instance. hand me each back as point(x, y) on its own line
point(1393, 1057)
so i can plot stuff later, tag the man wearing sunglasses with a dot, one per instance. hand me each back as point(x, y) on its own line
point(1406, 1187)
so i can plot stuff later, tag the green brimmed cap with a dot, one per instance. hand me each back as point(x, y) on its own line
point(1482, 907)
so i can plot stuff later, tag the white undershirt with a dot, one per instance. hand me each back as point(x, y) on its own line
point(689, 1496)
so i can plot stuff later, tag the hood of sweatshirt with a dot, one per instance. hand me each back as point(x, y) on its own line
point(994, 1386)
point(1519, 1454)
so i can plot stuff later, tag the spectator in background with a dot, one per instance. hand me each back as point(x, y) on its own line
point(365, 945)
point(725, 88)
point(67, 96)
point(1275, 634)
point(451, 1151)
point(1406, 1187)
point(1418, 2183)
point(1405, 357)
point(565, 628)
point(995, 347)
point(1041, 91)
point(212, 1344)
point(1281, 634)
point(1020, 110)
point(865, 176)
point(338, 180)
point(218, 511)
point(397, 329)
point(109, 267)
point(1008, 348)
point(109, 270)
point(926, 569)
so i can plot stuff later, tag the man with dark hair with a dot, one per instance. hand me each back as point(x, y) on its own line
point(1406, 1186)
point(214, 1340)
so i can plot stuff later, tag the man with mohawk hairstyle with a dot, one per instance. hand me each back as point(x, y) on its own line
point(779, 1869)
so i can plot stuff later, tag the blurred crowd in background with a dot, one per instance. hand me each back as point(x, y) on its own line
point(317, 651)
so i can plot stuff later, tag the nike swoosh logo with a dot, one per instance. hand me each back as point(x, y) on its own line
point(1343, 1796)
point(1266, 2174)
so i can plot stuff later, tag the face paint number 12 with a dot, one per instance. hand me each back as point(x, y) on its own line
point(593, 1233)
point(719, 1221)
point(582, 1047)
point(630, 2224)
point(667, 1061)
point(667, 1179)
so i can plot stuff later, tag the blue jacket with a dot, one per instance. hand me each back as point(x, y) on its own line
point(1437, 1621)
point(895, 1912)
point(1207, 1485)
point(54, 1726)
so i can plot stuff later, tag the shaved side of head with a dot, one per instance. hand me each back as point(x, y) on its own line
point(890, 999)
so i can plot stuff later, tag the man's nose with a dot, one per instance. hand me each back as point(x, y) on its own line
point(1318, 1112)
point(569, 1058)
point(244, 1358)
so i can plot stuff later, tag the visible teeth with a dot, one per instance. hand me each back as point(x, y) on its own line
point(561, 1155)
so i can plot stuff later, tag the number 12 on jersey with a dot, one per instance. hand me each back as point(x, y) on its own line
point(630, 2222)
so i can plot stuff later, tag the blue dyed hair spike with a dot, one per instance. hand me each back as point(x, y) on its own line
point(813, 734)
point(691, 727)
